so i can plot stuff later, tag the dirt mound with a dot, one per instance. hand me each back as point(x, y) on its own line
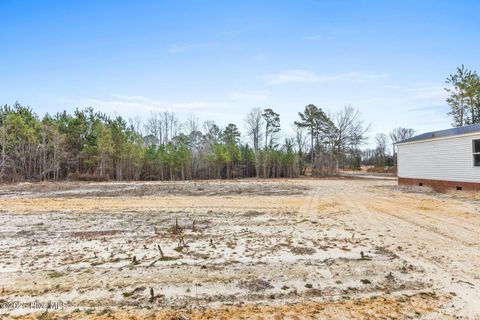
point(255, 285)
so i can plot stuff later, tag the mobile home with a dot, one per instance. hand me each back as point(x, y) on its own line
point(442, 160)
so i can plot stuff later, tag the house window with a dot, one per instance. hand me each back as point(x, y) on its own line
point(476, 153)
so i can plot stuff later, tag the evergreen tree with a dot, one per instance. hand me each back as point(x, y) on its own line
point(464, 96)
point(318, 125)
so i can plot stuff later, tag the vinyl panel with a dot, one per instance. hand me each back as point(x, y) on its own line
point(440, 159)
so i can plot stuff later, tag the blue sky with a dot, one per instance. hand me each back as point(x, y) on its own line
point(218, 59)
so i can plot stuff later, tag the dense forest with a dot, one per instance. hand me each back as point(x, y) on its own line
point(90, 145)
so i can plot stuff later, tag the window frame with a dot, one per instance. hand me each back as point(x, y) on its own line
point(475, 153)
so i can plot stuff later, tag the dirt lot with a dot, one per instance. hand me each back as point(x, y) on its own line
point(275, 249)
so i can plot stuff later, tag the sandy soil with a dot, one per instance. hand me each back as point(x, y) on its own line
point(267, 249)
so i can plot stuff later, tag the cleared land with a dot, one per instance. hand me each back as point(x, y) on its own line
point(274, 249)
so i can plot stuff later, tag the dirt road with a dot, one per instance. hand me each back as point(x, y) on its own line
point(300, 249)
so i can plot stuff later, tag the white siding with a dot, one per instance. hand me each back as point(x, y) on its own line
point(439, 159)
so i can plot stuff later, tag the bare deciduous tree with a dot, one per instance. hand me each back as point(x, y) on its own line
point(349, 133)
point(301, 141)
point(400, 134)
point(254, 124)
point(381, 140)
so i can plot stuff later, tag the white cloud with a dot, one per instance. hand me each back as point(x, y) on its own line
point(420, 106)
point(177, 48)
point(431, 93)
point(242, 95)
point(361, 76)
point(134, 105)
point(419, 92)
point(311, 37)
point(307, 76)
point(293, 76)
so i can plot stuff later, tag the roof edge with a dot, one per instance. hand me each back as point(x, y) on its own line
point(447, 133)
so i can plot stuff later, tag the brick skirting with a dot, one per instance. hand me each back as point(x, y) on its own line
point(440, 185)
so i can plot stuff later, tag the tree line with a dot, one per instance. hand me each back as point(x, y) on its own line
point(383, 156)
point(90, 145)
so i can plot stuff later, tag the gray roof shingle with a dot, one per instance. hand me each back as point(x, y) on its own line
point(444, 133)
